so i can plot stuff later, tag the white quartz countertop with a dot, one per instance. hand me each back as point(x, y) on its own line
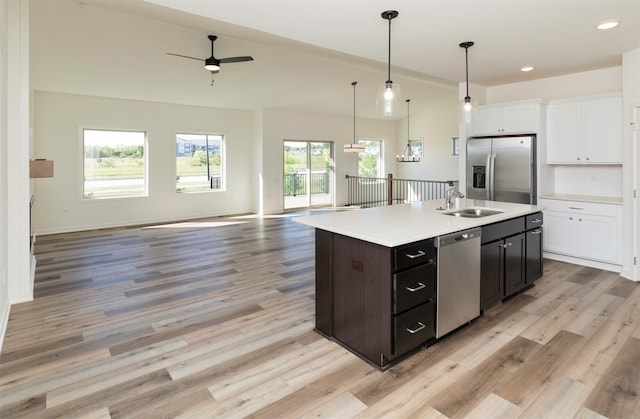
point(396, 225)
point(584, 198)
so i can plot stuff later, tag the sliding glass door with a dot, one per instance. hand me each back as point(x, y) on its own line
point(308, 174)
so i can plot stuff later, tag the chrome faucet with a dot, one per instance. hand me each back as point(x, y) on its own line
point(450, 194)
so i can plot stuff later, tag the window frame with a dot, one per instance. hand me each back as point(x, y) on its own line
point(223, 166)
point(145, 161)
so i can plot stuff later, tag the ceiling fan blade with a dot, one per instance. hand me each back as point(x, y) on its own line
point(184, 56)
point(235, 59)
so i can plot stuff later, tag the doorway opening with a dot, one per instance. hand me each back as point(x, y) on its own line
point(308, 175)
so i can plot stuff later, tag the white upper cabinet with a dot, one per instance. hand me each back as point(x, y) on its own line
point(504, 119)
point(585, 130)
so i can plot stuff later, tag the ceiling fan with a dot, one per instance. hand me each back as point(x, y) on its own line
point(212, 63)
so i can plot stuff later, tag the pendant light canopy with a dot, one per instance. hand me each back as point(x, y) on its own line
point(467, 98)
point(354, 147)
point(407, 155)
point(388, 93)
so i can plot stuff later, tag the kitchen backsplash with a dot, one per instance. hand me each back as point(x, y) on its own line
point(589, 180)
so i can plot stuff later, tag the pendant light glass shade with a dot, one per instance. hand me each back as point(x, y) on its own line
point(388, 98)
point(388, 95)
point(467, 99)
point(354, 147)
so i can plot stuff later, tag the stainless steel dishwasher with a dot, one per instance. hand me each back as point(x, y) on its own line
point(458, 279)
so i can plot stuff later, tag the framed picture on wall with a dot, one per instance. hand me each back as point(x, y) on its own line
point(455, 146)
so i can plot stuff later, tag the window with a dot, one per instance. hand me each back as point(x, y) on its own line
point(199, 162)
point(370, 161)
point(114, 164)
point(416, 146)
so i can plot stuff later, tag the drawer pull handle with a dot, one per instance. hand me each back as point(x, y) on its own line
point(417, 288)
point(417, 255)
point(417, 329)
point(536, 221)
point(536, 232)
point(576, 208)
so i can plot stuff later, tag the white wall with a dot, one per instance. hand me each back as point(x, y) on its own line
point(59, 120)
point(607, 80)
point(436, 125)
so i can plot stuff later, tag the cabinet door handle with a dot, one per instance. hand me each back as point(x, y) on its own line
point(576, 208)
point(417, 329)
point(417, 288)
point(536, 221)
point(417, 255)
point(536, 232)
point(504, 246)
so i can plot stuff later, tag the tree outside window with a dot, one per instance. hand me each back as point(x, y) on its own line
point(370, 160)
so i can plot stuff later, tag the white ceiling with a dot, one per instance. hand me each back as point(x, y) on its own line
point(307, 52)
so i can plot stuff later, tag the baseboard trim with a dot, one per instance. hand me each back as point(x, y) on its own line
point(584, 262)
point(4, 322)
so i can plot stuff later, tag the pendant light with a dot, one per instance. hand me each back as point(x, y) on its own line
point(388, 93)
point(467, 99)
point(407, 155)
point(354, 147)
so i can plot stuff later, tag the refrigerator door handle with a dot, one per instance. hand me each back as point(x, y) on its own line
point(489, 177)
point(492, 178)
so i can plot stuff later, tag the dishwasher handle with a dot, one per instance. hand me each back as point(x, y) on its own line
point(458, 237)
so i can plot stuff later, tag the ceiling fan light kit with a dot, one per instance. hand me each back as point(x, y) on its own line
point(212, 63)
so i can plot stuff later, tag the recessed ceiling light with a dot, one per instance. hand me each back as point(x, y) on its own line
point(527, 68)
point(607, 24)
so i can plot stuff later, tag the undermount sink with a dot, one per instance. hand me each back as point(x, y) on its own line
point(472, 212)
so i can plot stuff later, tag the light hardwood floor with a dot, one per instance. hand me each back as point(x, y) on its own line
point(214, 318)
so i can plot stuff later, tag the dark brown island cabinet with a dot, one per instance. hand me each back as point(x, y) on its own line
point(511, 258)
point(380, 302)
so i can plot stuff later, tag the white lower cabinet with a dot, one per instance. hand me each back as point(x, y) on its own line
point(583, 229)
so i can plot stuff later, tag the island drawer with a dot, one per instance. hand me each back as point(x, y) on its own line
point(502, 229)
point(413, 287)
point(413, 254)
point(534, 220)
point(414, 327)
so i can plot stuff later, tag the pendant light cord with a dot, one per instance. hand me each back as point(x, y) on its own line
point(354, 110)
point(408, 138)
point(389, 54)
point(466, 60)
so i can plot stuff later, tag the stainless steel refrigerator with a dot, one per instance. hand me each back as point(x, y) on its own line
point(502, 169)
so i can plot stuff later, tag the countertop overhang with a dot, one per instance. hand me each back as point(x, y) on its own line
point(396, 225)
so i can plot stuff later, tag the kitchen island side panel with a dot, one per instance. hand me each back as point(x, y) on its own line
point(362, 297)
point(324, 287)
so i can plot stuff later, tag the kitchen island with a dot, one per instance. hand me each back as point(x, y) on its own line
point(377, 269)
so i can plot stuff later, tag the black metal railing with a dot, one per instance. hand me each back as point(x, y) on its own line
point(375, 192)
point(296, 183)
